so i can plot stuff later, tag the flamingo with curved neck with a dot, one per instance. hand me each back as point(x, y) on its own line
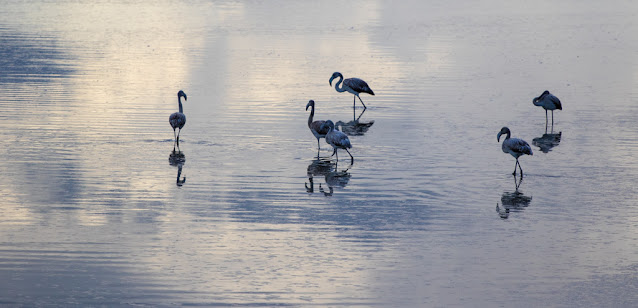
point(316, 127)
point(514, 146)
point(178, 119)
point(351, 85)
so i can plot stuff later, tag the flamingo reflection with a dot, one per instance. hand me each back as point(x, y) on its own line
point(178, 159)
point(355, 127)
point(318, 167)
point(547, 141)
point(514, 201)
point(332, 176)
point(335, 178)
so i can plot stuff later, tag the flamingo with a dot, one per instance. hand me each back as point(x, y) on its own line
point(514, 146)
point(178, 119)
point(549, 102)
point(337, 139)
point(316, 127)
point(352, 85)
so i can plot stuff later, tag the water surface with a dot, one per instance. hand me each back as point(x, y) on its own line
point(97, 210)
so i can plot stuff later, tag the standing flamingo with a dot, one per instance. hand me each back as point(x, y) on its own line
point(337, 140)
point(178, 119)
point(549, 102)
point(352, 85)
point(513, 146)
point(316, 127)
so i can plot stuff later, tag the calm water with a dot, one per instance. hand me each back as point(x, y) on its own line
point(96, 211)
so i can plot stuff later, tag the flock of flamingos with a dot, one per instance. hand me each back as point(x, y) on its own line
point(339, 140)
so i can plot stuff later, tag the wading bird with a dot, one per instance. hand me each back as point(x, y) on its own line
point(178, 119)
point(337, 140)
point(352, 85)
point(549, 102)
point(514, 146)
point(316, 127)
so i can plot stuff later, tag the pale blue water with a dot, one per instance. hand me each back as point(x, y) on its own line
point(96, 211)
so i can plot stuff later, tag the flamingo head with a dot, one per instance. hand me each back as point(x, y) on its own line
point(537, 99)
point(310, 103)
point(182, 94)
point(328, 124)
point(335, 75)
point(504, 131)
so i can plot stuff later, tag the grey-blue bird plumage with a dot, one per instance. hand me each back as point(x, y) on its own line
point(316, 127)
point(178, 119)
point(548, 101)
point(514, 146)
point(351, 85)
point(337, 139)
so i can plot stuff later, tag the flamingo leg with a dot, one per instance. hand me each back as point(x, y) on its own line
point(180, 130)
point(334, 151)
point(354, 114)
point(174, 139)
point(519, 167)
point(364, 105)
point(351, 158)
point(545, 117)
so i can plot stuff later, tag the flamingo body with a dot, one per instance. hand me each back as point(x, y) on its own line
point(549, 102)
point(351, 85)
point(514, 146)
point(178, 119)
point(337, 140)
point(316, 127)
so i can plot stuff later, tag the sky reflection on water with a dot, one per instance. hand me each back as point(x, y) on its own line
point(97, 209)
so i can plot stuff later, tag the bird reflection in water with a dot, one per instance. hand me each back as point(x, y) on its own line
point(318, 167)
point(355, 127)
point(546, 142)
point(335, 178)
point(178, 159)
point(329, 170)
point(513, 201)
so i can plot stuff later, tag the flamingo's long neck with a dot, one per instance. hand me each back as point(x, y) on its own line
point(507, 136)
point(338, 83)
point(312, 114)
point(179, 101)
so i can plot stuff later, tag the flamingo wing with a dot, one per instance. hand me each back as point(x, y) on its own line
point(518, 146)
point(318, 127)
point(338, 139)
point(556, 102)
point(358, 85)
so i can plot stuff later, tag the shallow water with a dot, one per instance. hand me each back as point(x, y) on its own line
point(96, 210)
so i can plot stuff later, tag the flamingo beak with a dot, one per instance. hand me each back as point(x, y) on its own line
point(498, 137)
point(331, 79)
